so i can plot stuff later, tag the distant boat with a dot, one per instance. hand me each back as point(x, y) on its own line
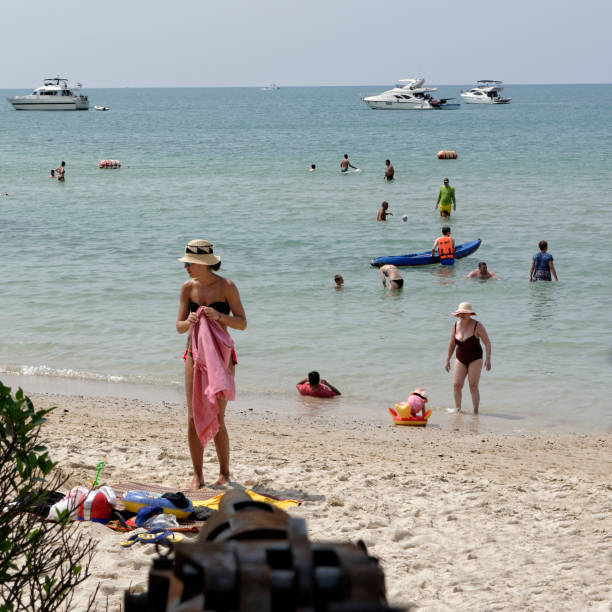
point(53, 94)
point(271, 87)
point(102, 108)
point(409, 94)
point(486, 92)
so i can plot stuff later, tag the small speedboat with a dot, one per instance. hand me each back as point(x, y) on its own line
point(102, 108)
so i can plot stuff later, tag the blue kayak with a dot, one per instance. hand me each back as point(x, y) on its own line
point(421, 259)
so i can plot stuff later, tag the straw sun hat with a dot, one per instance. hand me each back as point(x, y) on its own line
point(464, 308)
point(200, 252)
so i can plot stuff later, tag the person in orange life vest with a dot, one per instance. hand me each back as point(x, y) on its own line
point(316, 387)
point(445, 245)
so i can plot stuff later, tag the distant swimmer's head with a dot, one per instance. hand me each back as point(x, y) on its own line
point(445, 181)
point(543, 245)
point(346, 156)
point(200, 252)
point(446, 230)
point(388, 162)
point(404, 218)
point(314, 378)
point(338, 280)
point(385, 205)
point(313, 167)
point(482, 266)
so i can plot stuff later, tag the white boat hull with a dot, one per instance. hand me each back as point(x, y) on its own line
point(39, 103)
point(407, 105)
point(484, 100)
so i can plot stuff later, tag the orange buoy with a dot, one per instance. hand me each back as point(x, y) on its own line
point(109, 163)
point(447, 154)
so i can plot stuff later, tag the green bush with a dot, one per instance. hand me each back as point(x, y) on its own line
point(40, 561)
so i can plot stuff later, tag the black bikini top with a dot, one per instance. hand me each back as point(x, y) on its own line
point(222, 307)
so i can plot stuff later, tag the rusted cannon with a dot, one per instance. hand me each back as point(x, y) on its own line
point(252, 556)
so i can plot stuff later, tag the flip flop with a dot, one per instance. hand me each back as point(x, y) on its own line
point(130, 541)
point(159, 536)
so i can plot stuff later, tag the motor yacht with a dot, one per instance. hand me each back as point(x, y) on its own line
point(53, 94)
point(485, 92)
point(271, 87)
point(409, 94)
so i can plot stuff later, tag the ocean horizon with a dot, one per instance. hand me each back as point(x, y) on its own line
point(91, 279)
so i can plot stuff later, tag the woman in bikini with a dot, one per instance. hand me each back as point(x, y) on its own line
point(465, 337)
point(219, 297)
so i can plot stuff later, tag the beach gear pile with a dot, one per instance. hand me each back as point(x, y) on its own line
point(153, 517)
point(84, 505)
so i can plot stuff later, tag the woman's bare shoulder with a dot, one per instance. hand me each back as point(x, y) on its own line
point(186, 286)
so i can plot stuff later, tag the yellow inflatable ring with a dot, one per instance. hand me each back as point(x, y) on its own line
point(412, 421)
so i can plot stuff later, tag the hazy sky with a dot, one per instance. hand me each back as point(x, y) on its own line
point(111, 43)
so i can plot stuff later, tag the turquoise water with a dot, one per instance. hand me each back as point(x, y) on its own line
point(90, 278)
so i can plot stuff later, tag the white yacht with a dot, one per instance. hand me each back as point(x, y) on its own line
point(53, 94)
point(485, 92)
point(409, 94)
point(270, 87)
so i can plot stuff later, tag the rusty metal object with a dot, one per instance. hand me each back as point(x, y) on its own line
point(252, 556)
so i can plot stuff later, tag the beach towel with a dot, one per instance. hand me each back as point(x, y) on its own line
point(211, 347)
point(283, 504)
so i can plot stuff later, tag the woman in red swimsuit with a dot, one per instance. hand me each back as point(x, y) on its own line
point(465, 337)
point(220, 297)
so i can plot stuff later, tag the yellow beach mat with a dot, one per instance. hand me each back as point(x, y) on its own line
point(283, 504)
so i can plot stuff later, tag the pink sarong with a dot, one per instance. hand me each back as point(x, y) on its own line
point(211, 347)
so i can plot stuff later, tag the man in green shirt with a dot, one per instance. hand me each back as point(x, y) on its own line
point(446, 197)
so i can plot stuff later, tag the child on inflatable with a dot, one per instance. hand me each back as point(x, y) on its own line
point(315, 387)
point(415, 404)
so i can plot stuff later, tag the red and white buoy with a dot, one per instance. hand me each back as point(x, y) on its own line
point(109, 163)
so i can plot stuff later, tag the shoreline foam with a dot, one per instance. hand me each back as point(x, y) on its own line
point(341, 409)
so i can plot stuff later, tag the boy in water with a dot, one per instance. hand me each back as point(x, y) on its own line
point(316, 387)
point(383, 213)
point(339, 281)
point(61, 171)
point(542, 265)
point(345, 164)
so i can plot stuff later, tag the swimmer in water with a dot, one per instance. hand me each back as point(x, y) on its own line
point(316, 386)
point(52, 174)
point(339, 281)
point(345, 164)
point(383, 212)
point(389, 170)
point(482, 272)
point(392, 273)
point(312, 168)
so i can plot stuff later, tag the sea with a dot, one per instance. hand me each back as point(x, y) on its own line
point(90, 277)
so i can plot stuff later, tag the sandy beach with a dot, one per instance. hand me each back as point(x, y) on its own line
point(461, 519)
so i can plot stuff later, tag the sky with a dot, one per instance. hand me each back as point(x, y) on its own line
point(204, 43)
